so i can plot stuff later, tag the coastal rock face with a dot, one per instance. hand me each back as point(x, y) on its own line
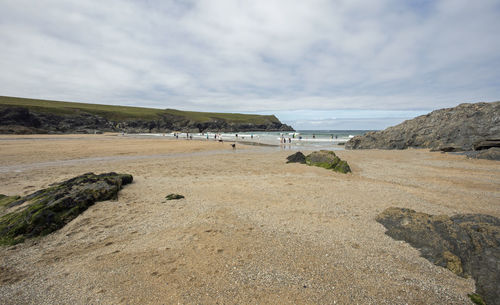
point(49, 209)
point(327, 159)
point(21, 120)
point(467, 244)
point(450, 129)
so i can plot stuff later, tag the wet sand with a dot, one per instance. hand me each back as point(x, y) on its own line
point(251, 229)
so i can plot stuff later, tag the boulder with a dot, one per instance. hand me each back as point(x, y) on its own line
point(50, 209)
point(297, 157)
point(466, 244)
point(450, 129)
point(327, 159)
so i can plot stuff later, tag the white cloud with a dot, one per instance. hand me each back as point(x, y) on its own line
point(266, 56)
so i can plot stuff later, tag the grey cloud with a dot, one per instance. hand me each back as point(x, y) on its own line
point(253, 55)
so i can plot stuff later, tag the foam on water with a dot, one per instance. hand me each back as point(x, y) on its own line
point(324, 139)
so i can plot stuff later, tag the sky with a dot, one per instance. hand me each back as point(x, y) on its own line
point(316, 64)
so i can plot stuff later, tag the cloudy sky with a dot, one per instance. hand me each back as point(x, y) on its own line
point(317, 64)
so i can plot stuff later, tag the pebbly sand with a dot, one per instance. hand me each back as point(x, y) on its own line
point(251, 230)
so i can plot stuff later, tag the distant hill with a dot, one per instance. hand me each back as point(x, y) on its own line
point(22, 115)
point(461, 128)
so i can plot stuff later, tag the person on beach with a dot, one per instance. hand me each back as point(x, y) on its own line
point(314, 136)
point(289, 140)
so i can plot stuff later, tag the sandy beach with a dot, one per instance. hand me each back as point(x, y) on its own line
point(251, 229)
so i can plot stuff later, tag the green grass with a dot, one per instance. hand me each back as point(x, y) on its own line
point(120, 113)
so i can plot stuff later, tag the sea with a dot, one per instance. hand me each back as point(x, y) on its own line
point(313, 139)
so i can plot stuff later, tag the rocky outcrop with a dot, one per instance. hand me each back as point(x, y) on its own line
point(49, 209)
point(327, 159)
point(468, 244)
point(486, 144)
point(21, 120)
point(487, 154)
point(323, 158)
point(450, 129)
point(297, 157)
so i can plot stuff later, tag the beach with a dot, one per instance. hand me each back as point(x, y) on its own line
point(251, 228)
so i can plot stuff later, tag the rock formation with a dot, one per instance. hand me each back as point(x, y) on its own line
point(323, 158)
point(49, 209)
point(327, 159)
point(451, 129)
point(297, 157)
point(28, 120)
point(489, 154)
point(468, 244)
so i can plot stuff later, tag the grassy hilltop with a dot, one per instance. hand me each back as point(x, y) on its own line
point(23, 115)
point(123, 113)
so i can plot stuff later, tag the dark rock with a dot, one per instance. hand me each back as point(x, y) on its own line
point(50, 209)
point(488, 154)
point(327, 159)
point(174, 197)
point(455, 128)
point(466, 244)
point(297, 157)
point(18, 116)
point(486, 144)
point(448, 148)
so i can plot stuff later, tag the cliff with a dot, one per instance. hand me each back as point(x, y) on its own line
point(23, 116)
point(461, 128)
